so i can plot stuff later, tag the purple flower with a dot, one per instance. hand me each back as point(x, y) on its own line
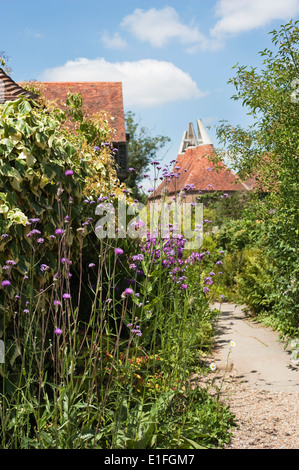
point(10, 262)
point(33, 221)
point(5, 283)
point(184, 286)
point(118, 251)
point(57, 302)
point(66, 296)
point(4, 235)
point(206, 289)
point(91, 265)
point(68, 172)
point(96, 148)
point(40, 240)
point(128, 291)
point(59, 231)
point(58, 331)
point(108, 301)
point(33, 232)
point(131, 169)
point(26, 310)
point(218, 262)
point(44, 267)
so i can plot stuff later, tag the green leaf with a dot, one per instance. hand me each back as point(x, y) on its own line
point(25, 107)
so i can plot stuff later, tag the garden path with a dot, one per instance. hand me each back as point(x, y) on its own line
point(258, 381)
point(258, 357)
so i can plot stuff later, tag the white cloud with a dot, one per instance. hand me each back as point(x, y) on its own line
point(113, 42)
point(237, 16)
point(33, 33)
point(158, 27)
point(146, 83)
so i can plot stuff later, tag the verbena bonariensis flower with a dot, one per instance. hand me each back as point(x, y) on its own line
point(33, 232)
point(44, 267)
point(208, 281)
point(10, 262)
point(118, 251)
point(68, 172)
point(5, 283)
point(58, 331)
point(66, 261)
point(127, 291)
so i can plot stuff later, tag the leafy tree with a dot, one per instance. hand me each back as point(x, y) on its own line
point(142, 150)
point(269, 151)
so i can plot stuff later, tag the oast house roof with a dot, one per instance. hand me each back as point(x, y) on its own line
point(194, 170)
point(10, 90)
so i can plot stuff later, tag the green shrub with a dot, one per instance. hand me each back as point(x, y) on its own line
point(254, 282)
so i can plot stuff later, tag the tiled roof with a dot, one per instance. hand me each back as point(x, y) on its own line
point(96, 96)
point(200, 174)
point(10, 90)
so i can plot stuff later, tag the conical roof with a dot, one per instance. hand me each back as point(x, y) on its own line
point(10, 90)
point(194, 169)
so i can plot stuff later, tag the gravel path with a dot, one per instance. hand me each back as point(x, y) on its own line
point(258, 382)
point(265, 420)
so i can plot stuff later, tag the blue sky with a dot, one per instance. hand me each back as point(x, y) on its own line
point(174, 57)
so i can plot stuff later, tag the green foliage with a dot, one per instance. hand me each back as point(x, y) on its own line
point(35, 153)
point(254, 282)
point(86, 364)
point(269, 151)
point(195, 421)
